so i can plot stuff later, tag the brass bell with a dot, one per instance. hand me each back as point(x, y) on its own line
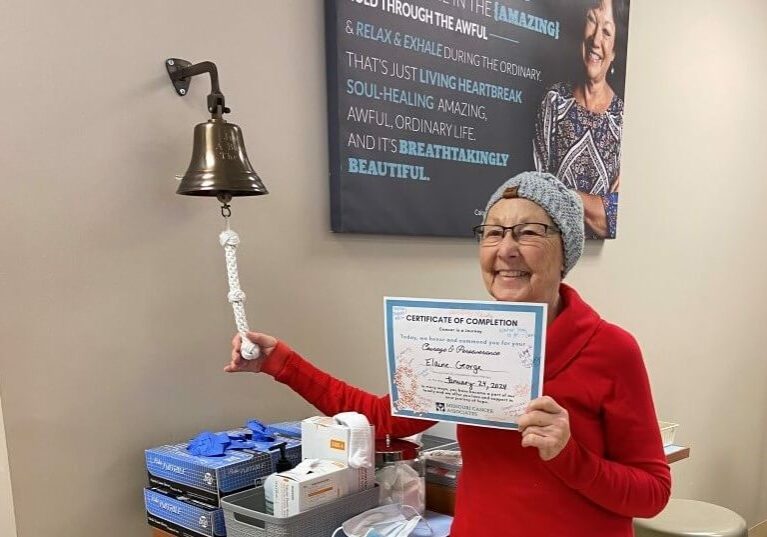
point(219, 167)
point(220, 164)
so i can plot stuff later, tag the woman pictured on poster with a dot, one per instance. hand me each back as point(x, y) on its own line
point(579, 126)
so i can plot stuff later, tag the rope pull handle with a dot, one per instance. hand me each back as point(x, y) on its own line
point(229, 240)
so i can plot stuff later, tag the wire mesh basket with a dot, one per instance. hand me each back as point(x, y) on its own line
point(245, 515)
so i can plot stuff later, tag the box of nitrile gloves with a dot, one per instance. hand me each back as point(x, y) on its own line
point(208, 479)
point(287, 428)
point(182, 516)
point(293, 450)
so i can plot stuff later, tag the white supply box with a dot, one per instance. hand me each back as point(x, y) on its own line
point(308, 485)
point(323, 438)
point(360, 479)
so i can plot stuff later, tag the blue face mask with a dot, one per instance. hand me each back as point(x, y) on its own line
point(384, 521)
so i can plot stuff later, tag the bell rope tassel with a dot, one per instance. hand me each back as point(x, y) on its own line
point(229, 240)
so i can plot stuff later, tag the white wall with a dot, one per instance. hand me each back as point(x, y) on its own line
point(115, 323)
point(687, 275)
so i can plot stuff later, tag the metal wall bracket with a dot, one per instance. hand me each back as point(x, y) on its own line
point(173, 65)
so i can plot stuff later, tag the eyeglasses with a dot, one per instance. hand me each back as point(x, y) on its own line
point(491, 234)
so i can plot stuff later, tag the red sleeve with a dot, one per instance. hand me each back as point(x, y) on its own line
point(633, 478)
point(332, 396)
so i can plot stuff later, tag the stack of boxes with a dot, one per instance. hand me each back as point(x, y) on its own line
point(307, 486)
point(185, 490)
point(327, 440)
point(327, 477)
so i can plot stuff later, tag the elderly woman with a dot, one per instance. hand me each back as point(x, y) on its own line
point(588, 456)
point(579, 126)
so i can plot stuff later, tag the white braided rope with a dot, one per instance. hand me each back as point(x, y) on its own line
point(229, 240)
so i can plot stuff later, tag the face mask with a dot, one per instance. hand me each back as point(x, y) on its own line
point(384, 521)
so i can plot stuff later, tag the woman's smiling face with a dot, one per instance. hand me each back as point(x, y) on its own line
point(598, 46)
point(527, 272)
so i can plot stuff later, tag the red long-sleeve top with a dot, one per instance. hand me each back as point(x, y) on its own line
point(612, 469)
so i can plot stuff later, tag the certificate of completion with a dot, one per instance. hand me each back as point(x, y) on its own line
point(464, 361)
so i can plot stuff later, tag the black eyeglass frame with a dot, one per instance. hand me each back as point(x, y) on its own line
point(548, 229)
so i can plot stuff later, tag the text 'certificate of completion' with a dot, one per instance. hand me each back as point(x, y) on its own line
point(473, 362)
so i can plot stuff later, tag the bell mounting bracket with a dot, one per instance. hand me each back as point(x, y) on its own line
point(181, 73)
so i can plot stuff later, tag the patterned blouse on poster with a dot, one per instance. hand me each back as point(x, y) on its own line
point(580, 147)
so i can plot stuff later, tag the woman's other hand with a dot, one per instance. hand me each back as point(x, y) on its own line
point(239, 364)
point(546, 426)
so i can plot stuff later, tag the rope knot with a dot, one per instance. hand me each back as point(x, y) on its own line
point(229, 238)
point(236, 295)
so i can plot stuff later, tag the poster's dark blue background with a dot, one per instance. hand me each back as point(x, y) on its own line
point(448, 203)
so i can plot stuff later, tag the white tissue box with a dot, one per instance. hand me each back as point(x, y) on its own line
point(323, 438)
point(299, 490)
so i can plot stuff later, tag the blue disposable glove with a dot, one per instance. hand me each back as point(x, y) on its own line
point(208, 444)
point(261, 432)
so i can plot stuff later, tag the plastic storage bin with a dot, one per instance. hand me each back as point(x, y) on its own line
point(400, 473)
point(667, 432)
point(245, 515)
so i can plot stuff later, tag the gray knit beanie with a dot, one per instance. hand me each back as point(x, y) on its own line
point(563, 205)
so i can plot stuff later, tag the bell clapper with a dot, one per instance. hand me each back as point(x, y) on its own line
point(226, 209)
point(229, 240)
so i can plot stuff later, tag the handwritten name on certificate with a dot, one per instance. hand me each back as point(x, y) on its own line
point(463, 361)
